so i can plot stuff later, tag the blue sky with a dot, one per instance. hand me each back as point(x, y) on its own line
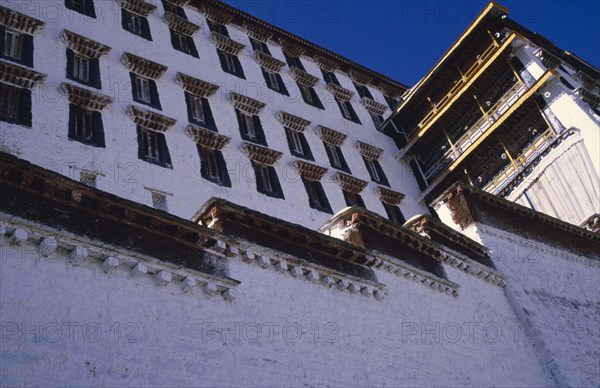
point(403, 39)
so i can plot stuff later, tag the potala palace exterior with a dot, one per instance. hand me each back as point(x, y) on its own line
point(191, 196)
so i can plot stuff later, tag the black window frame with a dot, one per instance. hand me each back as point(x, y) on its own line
point(164, 157)
point(306, 152)
point(174, 9)
point(238, 71)
point(258, 45)
point(87, 8)
point(21, 105)
point(94, 78)
point(381, 178)
point(353, 199)
point(293, 61)
point(177, 39)
point(152, 88)
point(221, 177)
point(362, 90)
point(377, 121)
point(281, 89)
point(217, 27)
point(144, 25)
point(329, 77)
point(257, 126)
point(96, 129)
point(394, 213)
point(276, 190)
point(352, 113)
point(316, 101)
point(26, 47)
point(317, 199)
point(209, 121)
point(329, 149)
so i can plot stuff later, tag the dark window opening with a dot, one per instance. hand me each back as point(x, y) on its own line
point(275, 82)
point(298, 144)
point(184, 43)
point(363, 91)
point(15, 105)
point(316, 196)
point(309, 95)
point(145, 91)
point(152, 147)
point(136, 24)
point(217, 27)
point(257, 45)
point(391, 102)
point(174, 9)
point(394, 213)
point(329, 77)
point(353, 199)
point(16, 46)
point(347, 111)
point(85, 126)
point(293, 61)
point(83, 69)
point(267, 181)
point(213, 167)
point(84, 7)
point(336, 157)
point(375, 171)
point(199, 112)
point(231, 64)
point(251, 128)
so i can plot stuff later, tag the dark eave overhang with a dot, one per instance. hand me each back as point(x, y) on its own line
point(36, 194)
point(239, 17)
point(469, 205)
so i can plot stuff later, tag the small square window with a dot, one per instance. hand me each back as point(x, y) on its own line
point(152, 147)
point(377, 120)
point(85, 126)
point(136, 24)
point(293, 61)
point(88, 179)
point(199, 112)
point(329, 77)
point(391, 102)
point(13, 44)
point(174, 9)
point(159, 201)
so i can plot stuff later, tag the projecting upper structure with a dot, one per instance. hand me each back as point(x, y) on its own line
point(500, 107)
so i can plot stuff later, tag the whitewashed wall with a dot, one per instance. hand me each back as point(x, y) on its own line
point(64, 325)
point(122, 173)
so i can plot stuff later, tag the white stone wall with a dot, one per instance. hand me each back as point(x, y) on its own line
point(64, 325)
point(122, 173)
point(556, 295)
